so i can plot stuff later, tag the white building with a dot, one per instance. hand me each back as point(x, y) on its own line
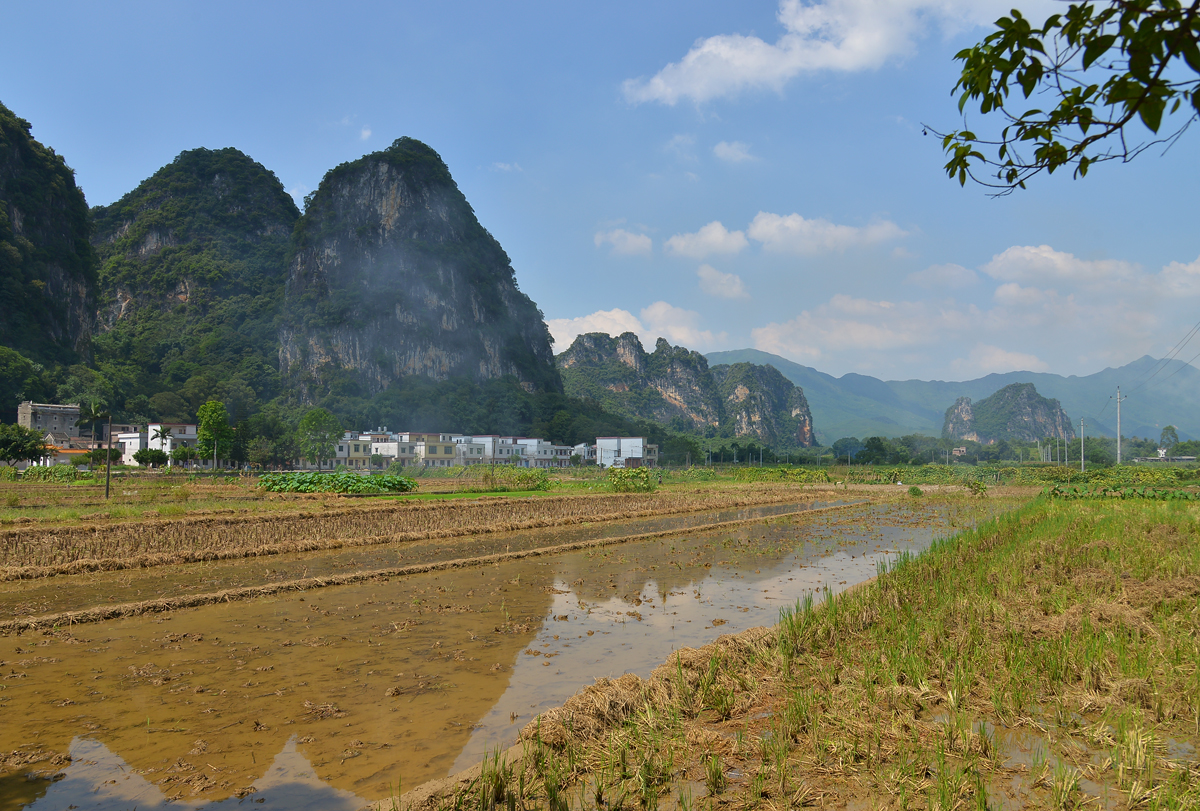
point(540, 453)
point(167, 436)
point(501, 450)
point(625, 451)
point(129, 443)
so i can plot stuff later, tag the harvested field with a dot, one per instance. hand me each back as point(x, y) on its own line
point(1048, 659)
point(27, 552)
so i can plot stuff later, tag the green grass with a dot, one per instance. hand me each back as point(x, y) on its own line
point(1050, 657)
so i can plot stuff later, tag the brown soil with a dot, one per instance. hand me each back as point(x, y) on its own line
point(101, 613)
point(28, 553)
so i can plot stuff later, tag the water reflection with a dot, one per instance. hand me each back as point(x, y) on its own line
point(100, 780)
point(376, 682)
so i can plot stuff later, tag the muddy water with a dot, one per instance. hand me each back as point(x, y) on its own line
point(327, 699)
point(50, 595)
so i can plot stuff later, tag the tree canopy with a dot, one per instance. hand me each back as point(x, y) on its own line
point(213, 433)
point(319, 433)
point(1098, 70)
point(19, 444)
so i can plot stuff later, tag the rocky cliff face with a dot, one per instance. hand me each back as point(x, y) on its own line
point(759, 401)
point(674, 385)
point(1016, 411)
point(960, 421)
point(47, 266)
point(392, 275)
point(669, 384)
point(194, 266)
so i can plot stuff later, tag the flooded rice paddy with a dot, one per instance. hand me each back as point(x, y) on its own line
point(330, 698)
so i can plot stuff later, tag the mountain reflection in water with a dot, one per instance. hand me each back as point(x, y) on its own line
point(99, 780)
point(363, 686)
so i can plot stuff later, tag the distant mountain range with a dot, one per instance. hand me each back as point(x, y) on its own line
point(862, 406)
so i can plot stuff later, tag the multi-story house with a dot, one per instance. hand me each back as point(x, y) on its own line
point(625, 451)
point(129, 443)
point(353, 451)
point(540, 453)
point(467, 451)
point(394, 449)
point(585, 452)
point(433, 450)
point(501, 450)
point(167, 436)
point(48, 418)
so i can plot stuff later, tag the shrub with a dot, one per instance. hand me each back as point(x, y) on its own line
point(800, 475)
point(51, 473)
point(334, 483)
point(631, 480)
point(8, 473)
point(915, 491)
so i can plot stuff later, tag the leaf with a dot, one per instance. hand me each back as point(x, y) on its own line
point(1096, 48)
point(1151, 113)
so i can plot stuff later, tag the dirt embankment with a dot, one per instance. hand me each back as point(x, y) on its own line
point(27, 553)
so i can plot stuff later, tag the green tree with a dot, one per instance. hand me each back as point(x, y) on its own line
point(239, 448)
point(184, 455)
point(101, 456)
point(213, 434)
point(18, 380)
point(1169, 438)
point(92, 413)
point(19, 444)
point(150, 457)
point(318, 435)
point(1099, 68)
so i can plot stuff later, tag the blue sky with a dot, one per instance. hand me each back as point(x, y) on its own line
point(724, 175)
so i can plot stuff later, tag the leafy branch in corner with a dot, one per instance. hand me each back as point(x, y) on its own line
point(1103, 66)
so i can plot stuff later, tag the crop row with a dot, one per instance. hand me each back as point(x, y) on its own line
point(31, 552)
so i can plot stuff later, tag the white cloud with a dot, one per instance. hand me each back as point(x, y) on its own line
point(1025, 263)
point(985, 359)
point(365, 133)
point(297, 192)
point(712, 238)
point(681, 146)
point(852, 324)
point(733, 151)
point(624, 243)
point(1182, 280)
point(659, 320)
point(506, 167)
point(613, 322)
point(679, 326)
point(723, 285)
point(794, 234)
point(841, 35)
point(938, 276)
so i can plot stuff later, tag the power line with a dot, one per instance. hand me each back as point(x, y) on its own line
point(1162, 364)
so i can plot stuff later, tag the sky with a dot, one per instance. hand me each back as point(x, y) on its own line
point(722, 175)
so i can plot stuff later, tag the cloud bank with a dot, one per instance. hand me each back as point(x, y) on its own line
point(835, 35)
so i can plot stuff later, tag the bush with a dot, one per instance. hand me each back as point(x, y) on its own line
point(8, 473)
point(915, 491)
point(52, 473)
point(800, 475)
point(631, 480)
point(334, 483)
point(695, 474)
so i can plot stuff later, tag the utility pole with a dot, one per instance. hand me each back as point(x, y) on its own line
point(1119, 398)
point(1082, 464)
point(108, 458)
